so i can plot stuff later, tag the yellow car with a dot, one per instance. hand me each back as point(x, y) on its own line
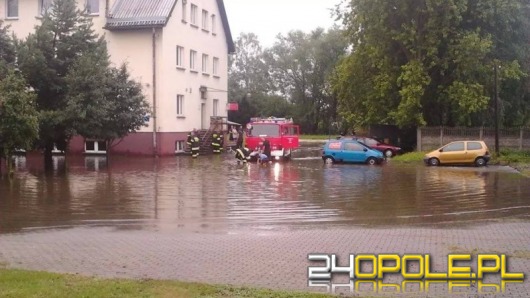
point(460, 152)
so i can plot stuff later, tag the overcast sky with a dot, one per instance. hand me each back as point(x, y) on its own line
point(267, 18)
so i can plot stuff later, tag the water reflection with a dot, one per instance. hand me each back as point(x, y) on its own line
point(213, 192)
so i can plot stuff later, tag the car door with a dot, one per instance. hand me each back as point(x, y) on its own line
point(473, 150)
point(453, 153)
point(354, 152)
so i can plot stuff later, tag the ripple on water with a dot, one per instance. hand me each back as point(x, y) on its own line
point(213, 192)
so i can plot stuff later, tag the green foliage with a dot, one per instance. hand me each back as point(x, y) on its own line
point(18, 116)
point(102, 102)
point(409, 157)
point(514, 156)
point(431, 61)
point(291, 79)
point(301, 66)
point(7, 49)
point(127, 105)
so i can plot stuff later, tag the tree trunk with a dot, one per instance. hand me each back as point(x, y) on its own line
point(48, 158)
point(9, 165)
point(107, 154)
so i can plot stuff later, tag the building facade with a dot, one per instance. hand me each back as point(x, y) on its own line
point(177, 49)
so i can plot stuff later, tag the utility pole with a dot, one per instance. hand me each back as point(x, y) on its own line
point(496, 109)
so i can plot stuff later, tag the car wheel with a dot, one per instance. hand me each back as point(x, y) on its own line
point(371, 161)
point(480, 162)
point(329, 160)
point(389, 153)
point(434, 162)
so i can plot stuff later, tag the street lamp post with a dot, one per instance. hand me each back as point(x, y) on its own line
point(496, 109)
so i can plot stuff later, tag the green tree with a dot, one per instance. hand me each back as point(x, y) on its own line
point(102, 101)
point(248, 72)
point(301, 66)
point(45, 58)
point(7, 49)
point(18, 116)
point(431, 61)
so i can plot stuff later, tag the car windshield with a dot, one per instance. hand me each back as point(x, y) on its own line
point(370, 142)
point(368, 147)
point(271, 130)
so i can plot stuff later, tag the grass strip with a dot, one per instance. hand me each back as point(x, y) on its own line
point(22, 283)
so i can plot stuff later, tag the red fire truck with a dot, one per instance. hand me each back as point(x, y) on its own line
point(282, 134)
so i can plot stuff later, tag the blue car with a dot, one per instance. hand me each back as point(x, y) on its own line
point(350, 151)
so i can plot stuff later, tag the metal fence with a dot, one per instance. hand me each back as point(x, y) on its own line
point(429, 138)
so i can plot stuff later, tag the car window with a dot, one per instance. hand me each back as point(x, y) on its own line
point(334, 145)
point(474, 146)
point(458, 146)
point(370, 142)
point(353, 147)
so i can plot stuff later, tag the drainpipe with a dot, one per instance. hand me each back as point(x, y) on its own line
point(106, 8)
point(155, 145)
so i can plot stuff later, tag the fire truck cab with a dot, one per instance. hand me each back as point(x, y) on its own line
point(282, 134)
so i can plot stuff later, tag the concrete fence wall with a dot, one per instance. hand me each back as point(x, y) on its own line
point(430, 138)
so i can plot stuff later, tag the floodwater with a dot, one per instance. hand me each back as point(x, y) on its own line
point(213, 193)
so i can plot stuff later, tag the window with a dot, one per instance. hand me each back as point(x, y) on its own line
point(215, 107)
point(180, 56)
point(193, 58)
point(179, 146)
point(213, 24)
point(184, 11)
point(215, 67)
point(204, 19)
point(193, 15)
point(204, 63)
point(458, 146)
point(12, 8)
point(370, 142)
point(94, 146)
point(180, 105)
point(92, 6)
point(271, 130)
point(474, 146)
point(334, 145)
point(44, 6)
point(353, 147)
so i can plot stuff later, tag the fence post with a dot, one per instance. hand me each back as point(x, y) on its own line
point(521, 139)
point(441, 135)
point(418, 139)
point(481, 133)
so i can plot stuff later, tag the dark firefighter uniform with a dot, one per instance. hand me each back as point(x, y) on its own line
point(221, 142)
point(195, 147)
point(216, 143)
point(188, 141)
point(242, 154)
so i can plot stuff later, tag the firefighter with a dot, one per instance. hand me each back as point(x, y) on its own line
point(195, 146)
point(216, 143)
point(221, 142)
point(189, 139)
point(266, 147)
point(242, 155)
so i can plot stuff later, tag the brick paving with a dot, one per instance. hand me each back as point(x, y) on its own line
point(275, 259)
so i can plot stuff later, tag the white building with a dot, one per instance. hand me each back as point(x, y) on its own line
point(177, 49)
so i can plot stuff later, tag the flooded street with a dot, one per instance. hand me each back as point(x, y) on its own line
point(213, 221)
point(213, 193)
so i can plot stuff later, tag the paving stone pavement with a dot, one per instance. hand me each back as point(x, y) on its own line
point(275, 259)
